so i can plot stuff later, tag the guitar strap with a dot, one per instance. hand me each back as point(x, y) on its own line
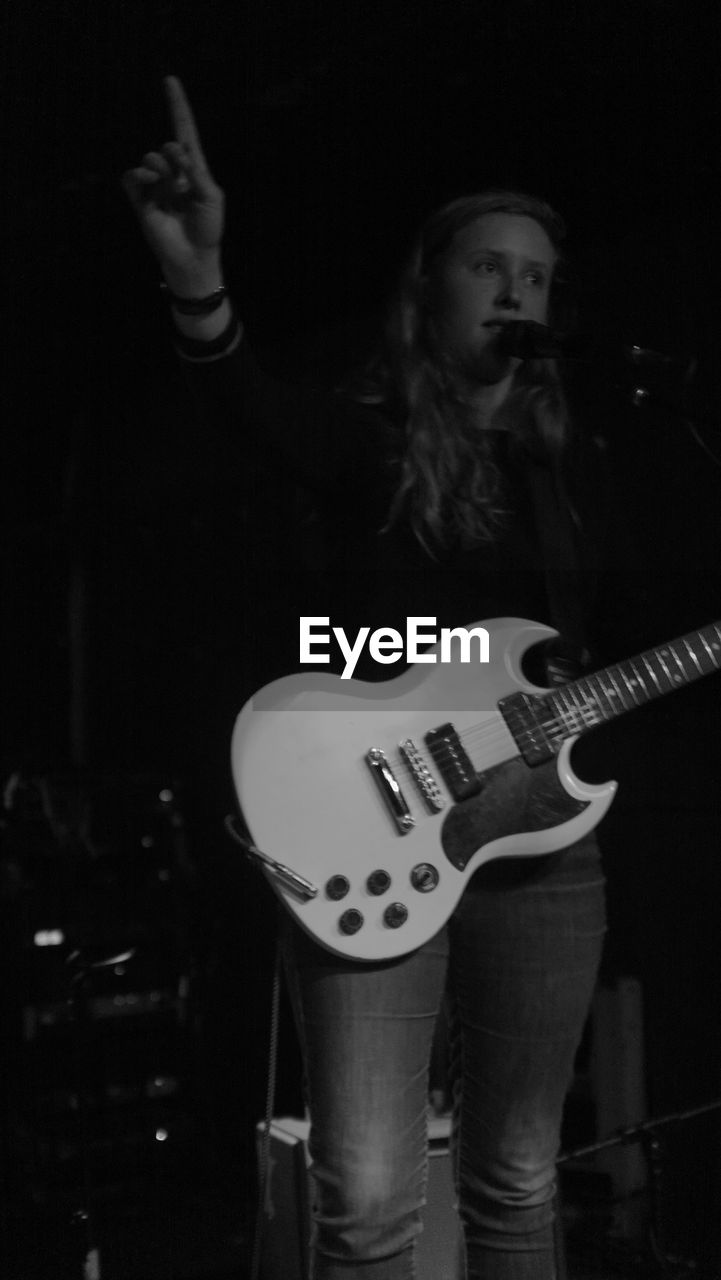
point(566, 583)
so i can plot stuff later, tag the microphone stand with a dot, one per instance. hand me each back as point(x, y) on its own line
point(647, 1133)
point(642, 364)
point(80, 968)
point(641, 395)
point(528, 340)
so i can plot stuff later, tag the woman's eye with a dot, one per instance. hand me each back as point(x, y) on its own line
point(535, 278)
point(486, 268)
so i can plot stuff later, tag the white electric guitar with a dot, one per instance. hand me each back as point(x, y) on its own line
point(371, 805)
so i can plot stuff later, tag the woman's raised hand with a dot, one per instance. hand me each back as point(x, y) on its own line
point(180, 207)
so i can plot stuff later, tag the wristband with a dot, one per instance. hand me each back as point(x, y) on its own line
point(196, 306)
point(200, 351)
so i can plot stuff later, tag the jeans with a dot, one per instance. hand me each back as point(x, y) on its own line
point(517, 963)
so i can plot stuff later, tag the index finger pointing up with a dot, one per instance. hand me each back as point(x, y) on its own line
point(184, 126)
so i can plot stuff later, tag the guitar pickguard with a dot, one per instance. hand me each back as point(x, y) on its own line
point(513, 798)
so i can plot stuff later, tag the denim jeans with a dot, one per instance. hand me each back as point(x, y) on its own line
point(518, 963)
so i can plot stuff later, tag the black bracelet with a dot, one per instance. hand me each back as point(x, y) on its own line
point(196, 306)
point(198, 351)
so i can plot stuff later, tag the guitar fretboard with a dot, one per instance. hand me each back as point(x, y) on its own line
point(540, 725)
point(593, 699)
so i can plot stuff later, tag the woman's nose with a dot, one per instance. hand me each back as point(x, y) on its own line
point(509, 294)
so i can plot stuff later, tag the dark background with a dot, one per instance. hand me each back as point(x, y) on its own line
point(138, 573)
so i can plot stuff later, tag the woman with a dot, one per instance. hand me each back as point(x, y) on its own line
point(442, 482)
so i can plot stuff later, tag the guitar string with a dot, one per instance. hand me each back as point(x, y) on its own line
point(495, 731)
point(567, 721)
point(490, 737)
point(571, 720)
point(405, 774)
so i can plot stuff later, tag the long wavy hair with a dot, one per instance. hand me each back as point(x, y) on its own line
point(449, 486)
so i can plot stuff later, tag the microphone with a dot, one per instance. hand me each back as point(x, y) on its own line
point(529, 340)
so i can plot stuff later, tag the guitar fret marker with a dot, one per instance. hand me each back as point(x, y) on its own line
point(592, 699)
point(693, 655)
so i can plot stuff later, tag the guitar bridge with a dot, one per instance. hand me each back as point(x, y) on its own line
point(423, 778)
point(390, 790)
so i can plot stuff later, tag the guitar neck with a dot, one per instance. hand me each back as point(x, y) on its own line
point(596, 698)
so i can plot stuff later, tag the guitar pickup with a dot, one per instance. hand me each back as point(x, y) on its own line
point(454, 763)
point(389, 788)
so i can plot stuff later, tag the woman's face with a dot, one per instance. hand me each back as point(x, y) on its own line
point(498, 268)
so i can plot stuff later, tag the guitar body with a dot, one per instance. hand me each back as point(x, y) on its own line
point(312, 801)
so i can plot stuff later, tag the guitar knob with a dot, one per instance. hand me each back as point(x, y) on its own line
point(337, 887)
point(351, 921)
point(395, 915)
point(424, 877)
point(378, 882)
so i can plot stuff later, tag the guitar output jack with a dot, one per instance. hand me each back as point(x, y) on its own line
point(424, 877)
